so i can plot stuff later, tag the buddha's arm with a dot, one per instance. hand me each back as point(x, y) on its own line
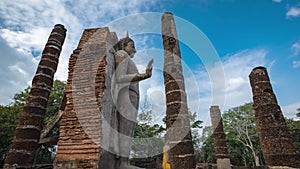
point(132, 77)
point(122, 66)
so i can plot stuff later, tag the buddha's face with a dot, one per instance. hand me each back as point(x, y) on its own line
point(130, 49)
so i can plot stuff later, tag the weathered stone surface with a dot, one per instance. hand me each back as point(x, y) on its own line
point(89, 112)
point(178, 129)
point(223, 161)
point(273, 132)
point(27, 133)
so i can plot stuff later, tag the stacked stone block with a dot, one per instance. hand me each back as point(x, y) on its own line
point(27, 133)
point(273, 132)
point(179, 135)
point(89, 107)
point(223, 161)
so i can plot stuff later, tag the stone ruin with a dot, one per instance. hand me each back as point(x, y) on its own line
point(27, 134)
point(88, 121)
point(273, 132)
point(89, 106)
point(223, 161)
point(179, 137)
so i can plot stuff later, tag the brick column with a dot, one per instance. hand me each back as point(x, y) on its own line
point(27, 133)
point(178, 124)
point(223, 161)
point(273, 132)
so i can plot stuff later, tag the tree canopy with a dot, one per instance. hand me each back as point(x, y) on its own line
point(9, 116)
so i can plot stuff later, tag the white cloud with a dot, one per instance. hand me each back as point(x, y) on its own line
point(290, 110)
point(26, 42)
point(16, 71)
point(296, 48)
point(296, 63)
point(278, 1)
point(94, 13)
point(236, 89)
point(235, 83)
point(198, 84)
point(26, 25)
point(293, 12)
point(237, 68)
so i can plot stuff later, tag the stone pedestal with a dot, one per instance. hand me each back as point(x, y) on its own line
point(273, 132)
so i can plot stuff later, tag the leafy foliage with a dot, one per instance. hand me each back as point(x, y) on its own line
point(294, 127)
point(20, 98)
point(47, 151)
point(206, 151)
point(195, 126)
point(148, 140)
point(242, 137)
point(9, 118)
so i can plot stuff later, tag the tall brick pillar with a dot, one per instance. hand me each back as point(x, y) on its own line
point(178, 125)
point(273, 132)
point(27, 133)
point(223, 161)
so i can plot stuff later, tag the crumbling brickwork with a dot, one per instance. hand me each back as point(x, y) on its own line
point(273, 132)
point(223, 161)
point(27, 133)
point(177, 120)
point(89, 107)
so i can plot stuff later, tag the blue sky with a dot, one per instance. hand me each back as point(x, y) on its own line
point(244, 33)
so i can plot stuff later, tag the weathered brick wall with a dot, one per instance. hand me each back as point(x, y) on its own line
point(177, 120)
point(89, 102)
point(273, 132)
point(219, 136)
point(27, 134)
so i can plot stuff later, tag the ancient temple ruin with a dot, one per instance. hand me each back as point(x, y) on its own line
point(223, 161)
point(27, 133)
point(88, 128)
point(89, 107)
point(179, 135)
point(273, 132)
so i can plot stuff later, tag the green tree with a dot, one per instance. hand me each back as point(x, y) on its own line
point(148, 140)
point(147, 135)
point(294, 127)
point(156, 132)
point(47, 151)
point(195, 126)
point(207, 151)
point(9, 118)
point(241, 134)
point(298, 112)
point(55, 98)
